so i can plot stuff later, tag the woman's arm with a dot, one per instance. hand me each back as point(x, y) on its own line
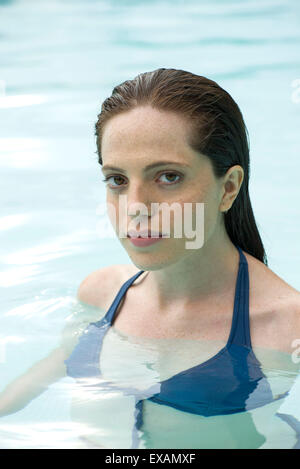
point(21, 391)
point(33, 382)
point(50, 369)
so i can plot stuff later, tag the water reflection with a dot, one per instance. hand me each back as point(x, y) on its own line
point(59, 60)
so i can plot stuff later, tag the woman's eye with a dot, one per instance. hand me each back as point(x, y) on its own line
point(172, 176)
point(118, 179)
point(106, 179)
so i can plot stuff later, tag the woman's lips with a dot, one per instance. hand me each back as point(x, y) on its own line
point(144, 242)
point(145, 238)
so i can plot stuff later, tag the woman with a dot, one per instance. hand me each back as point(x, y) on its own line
point(170, 136)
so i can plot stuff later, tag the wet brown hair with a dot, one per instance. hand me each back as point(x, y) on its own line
point(218, 131)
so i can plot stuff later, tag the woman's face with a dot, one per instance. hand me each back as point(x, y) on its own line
point(145, 136)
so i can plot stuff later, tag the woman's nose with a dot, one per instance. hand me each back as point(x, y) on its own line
point(139, 198)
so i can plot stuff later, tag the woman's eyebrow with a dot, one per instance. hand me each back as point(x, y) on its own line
point(148, 167)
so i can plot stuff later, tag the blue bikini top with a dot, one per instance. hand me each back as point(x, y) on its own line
point(231, 381)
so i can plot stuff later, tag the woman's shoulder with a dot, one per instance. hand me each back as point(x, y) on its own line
point(101, 286)
point(94, 296)
point(274, 307)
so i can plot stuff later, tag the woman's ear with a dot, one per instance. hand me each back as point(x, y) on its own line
point(232, 182)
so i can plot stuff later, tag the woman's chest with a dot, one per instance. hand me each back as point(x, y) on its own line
point(141, 363)
point(146, 360)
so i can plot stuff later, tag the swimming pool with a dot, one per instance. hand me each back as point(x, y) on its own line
point(59, 61)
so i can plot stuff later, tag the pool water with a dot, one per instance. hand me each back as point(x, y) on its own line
point(129, 362)
point(59, 61)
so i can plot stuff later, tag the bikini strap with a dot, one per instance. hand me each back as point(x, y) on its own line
point(240, 328)
point(109, 316)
